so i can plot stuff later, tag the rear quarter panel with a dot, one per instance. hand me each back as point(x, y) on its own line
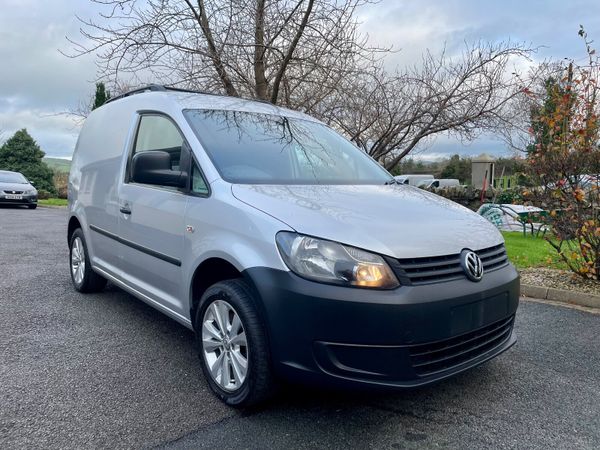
point(94, 176)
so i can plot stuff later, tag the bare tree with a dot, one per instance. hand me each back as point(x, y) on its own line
point(390, 115)
point(290, 52)
point(307, 55)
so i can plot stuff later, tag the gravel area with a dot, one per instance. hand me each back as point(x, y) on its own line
point(559, 279)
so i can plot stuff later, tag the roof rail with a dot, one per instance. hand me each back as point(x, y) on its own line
point(155, 88)
point(163, 88)
point(150, 87)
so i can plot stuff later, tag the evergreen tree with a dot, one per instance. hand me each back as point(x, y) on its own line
point(22, 154)
point(457, 167)
point(101, 96)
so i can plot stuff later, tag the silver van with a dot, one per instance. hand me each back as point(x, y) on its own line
point(289, 252)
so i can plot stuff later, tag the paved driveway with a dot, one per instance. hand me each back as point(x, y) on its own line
point(106, 370)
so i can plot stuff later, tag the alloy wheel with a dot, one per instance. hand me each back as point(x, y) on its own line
point(224, 345)
point(78, 260)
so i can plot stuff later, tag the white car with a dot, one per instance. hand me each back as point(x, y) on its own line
point(289, 252)
point(17, 190)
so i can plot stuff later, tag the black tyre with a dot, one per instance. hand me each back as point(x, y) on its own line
point(32, 206)
point(83, 277)
point(232, 345)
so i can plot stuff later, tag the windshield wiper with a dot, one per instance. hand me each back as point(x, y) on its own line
point(392, 181)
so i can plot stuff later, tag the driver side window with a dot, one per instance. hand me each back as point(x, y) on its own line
point(158, 133)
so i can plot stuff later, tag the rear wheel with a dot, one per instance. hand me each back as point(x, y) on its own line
point(32, 206)
point(233, 346)
point(83, 277)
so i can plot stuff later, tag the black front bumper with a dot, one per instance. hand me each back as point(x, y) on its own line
point(405, 337)
point(26, 200)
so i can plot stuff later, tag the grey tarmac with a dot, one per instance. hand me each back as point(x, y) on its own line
point(106, 370)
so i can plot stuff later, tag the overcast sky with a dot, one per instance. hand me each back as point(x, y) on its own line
point(37, 83)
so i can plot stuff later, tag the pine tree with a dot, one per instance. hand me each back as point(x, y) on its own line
point(101, 96)
point(22, 154)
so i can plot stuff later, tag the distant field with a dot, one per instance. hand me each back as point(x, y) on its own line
point(61, 165)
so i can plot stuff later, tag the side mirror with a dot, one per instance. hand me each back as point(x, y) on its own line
point(154, 167)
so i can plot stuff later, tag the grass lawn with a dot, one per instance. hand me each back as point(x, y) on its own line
point(528, 251)
point(53, 202)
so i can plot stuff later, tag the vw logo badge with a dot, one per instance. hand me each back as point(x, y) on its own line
point(472, 265)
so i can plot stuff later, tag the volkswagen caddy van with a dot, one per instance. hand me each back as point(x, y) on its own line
point(290, 253)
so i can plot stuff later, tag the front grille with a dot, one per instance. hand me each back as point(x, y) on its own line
point(493, 257)
point(430, 359)
point(443, 268)
point(13, 192)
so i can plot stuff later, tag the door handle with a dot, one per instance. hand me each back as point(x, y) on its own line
point(125, 208)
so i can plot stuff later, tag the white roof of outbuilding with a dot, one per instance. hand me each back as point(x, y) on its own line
point(484, 157)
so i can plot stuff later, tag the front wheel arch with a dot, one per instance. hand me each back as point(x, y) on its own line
point(211, 271)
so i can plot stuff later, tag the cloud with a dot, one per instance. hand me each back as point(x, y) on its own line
point(36, 81)
point(56, 134)
point(443, 146)
point(414, 27)
point(410, 28)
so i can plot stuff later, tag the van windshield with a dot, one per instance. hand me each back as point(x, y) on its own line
point(256, 148)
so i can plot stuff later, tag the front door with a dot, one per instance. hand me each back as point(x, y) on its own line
point(151, 219)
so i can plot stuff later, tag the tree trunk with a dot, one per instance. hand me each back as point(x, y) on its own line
point(259, 52)
point(288, 56)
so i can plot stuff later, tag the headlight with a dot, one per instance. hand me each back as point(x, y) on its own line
point(330, 262)
point(31, 192)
